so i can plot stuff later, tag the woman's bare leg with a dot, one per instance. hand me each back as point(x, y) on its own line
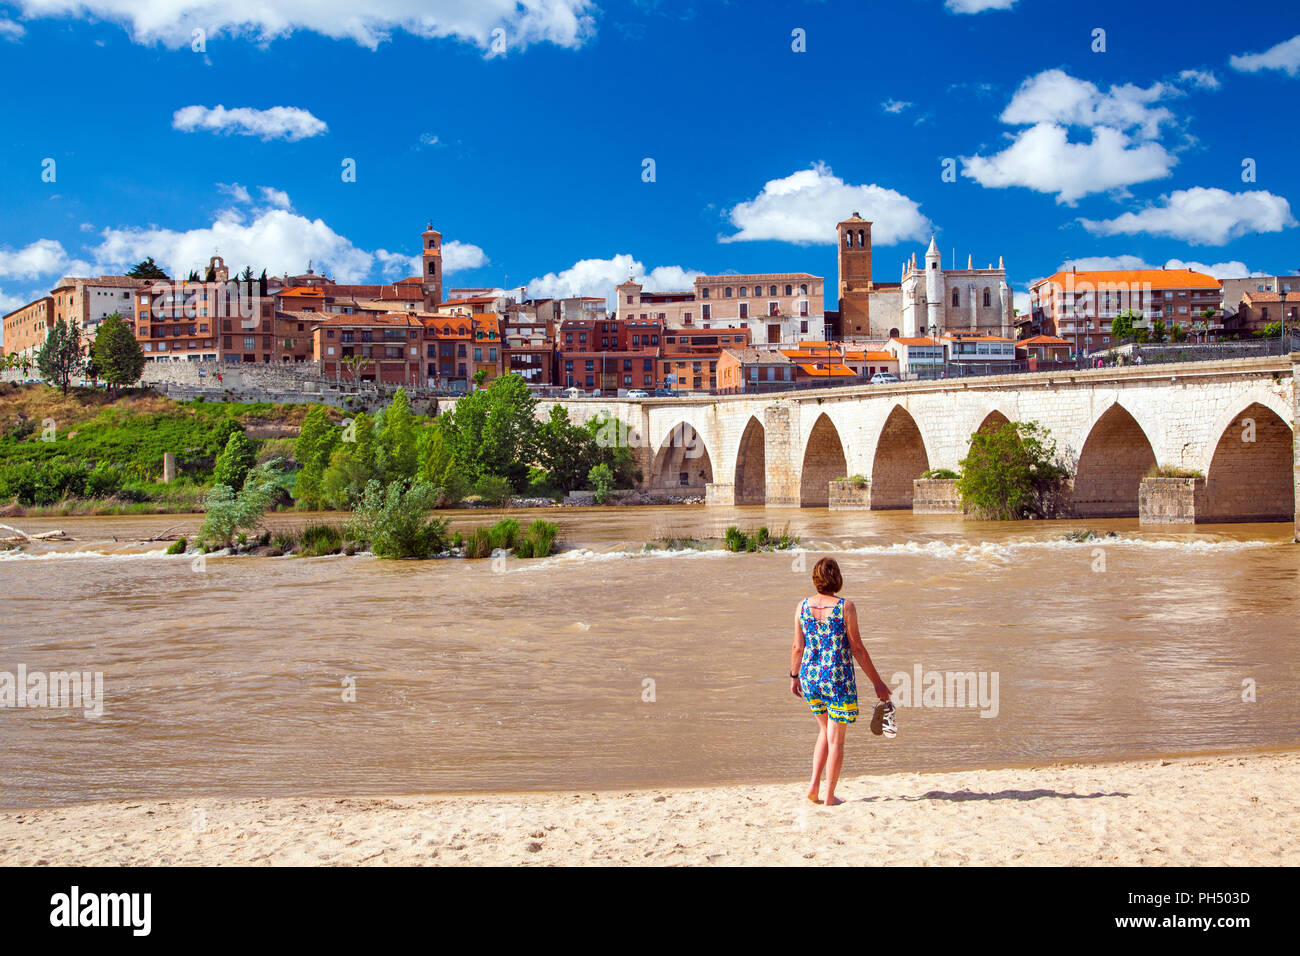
point(819, 759)
point(834, 759)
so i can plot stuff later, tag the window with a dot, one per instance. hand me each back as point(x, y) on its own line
point(250, 343)
point(478, 355)
point(706, 314)
point(727, 293)
point(956, 297)
point(987, 299)
point(744, 310)
point(492, 355)
point(789, 290)
point(803, 327)
point(706, 293)
point(742, 292)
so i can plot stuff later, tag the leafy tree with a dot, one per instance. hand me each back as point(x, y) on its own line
point(60, 356)
point(1270, 331)
point(480, 376)
point(1011, 472)
point(317, 440)
point(235, 462)
point(1157, 330)
point(396, 451)
point(438, 466)
point(148, 269)
point(601, 478)
point(1178, 333)
point(1122, 326)
point(229, 511)
point(493, 431)
point(613, 446)
point(118, 357)
point(351, 465)
point(395, 520)
point(565, 450)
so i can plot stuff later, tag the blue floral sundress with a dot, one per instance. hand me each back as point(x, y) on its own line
point(826, 673)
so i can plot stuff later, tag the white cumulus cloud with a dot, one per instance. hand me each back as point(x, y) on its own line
point(44, 257)
point(1054, 96)
point(599, 277)
point(1201, 79)
point(978, 6)
point(1201, 216)
point(1043, 159)
point(804, 206)
point(279, 122)
point(1285, 56)
point(895, 106)
point(10, 30)
point(275, 197)
point(1220, 270)
point(457, 256)
point(565, 23)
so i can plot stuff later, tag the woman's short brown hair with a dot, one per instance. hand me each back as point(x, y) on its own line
point(826, 576)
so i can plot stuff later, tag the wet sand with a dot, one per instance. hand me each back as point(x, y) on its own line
point(1233, 810)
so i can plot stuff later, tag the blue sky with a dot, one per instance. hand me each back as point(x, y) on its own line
point(531, 159)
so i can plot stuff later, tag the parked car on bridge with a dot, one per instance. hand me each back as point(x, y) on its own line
point(883, 378)
point(637, 393)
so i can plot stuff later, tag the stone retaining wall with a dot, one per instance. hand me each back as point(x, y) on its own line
point(1170, 500)
point(936, 496)
point(850, 496)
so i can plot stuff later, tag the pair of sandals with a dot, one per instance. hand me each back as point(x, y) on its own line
point(883, 720)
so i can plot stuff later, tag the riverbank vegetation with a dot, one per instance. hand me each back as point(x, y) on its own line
point(1012, 472)
point(761, 540)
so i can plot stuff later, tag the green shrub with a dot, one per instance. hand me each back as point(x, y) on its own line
point(735, 539)
point(396, 521)
point(317, 540)
point(284, 541)
point(540, 484)
point(539, 540)
point(601, 479)
point(1011, 472)
point(946, 473)
point(760, 540)
point(493, 489)
point(235, 461)
point(104, 481)
point(229, 512)
point(479, 543)
point(503, 534)
point(178, 546)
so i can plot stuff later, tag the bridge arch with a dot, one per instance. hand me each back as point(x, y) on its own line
point(823, 462)
point(682, 466)
point(751, 465)
point(1251, 471)
point(900, 459)
point(1116, 455)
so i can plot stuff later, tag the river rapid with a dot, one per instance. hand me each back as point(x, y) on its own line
point(606, 667)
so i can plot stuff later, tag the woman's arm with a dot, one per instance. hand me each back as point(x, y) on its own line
point(796, 654)
point(860, 651)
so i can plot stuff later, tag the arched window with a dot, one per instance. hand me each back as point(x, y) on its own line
point(432, 270)
point(789, 290)
point(772, 291)
point(803, 289)
point(956, 297)
point(742, 291)
point(727, 292)
point(706, 292)
point(987, 298)
point(862, 239)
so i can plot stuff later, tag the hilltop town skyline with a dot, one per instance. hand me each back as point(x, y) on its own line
point(708, 144)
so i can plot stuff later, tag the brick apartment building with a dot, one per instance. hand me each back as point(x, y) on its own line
point(26, 328)
point(1081, 305)
point(688, 358)
point(775, 307)
point(370, 347)
point(88, 302)
point(219, 321)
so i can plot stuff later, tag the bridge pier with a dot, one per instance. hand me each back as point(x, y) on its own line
point(1295, 438)
point(781, 457)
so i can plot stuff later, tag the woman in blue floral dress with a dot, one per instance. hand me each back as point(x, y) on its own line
point(826, 643)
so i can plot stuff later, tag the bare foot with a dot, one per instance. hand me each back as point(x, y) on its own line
point(814, 798)
point(833, 801)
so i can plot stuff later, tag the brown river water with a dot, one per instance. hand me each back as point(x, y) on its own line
point(604, 668)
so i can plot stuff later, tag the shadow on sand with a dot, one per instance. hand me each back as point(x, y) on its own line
point(962, 795)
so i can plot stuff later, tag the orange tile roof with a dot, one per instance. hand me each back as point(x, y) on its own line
point(914, 341)
point(301, 290)
point(826, 370)
point(1156, 278)
point(1043, 340)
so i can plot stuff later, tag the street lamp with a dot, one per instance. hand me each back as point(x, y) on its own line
point(1281, 291)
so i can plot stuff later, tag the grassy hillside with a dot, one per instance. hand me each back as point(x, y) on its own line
point(111, 449)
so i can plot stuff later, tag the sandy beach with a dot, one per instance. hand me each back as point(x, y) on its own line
point(1232, 810)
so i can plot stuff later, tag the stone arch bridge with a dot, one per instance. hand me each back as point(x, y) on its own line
point(1229, 425)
